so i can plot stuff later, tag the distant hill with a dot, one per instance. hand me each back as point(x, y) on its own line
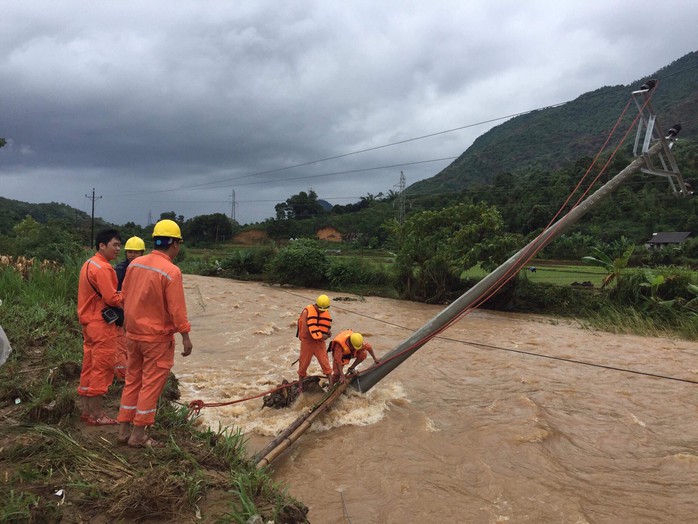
point(550, 139)
point(325, 205)
point(14, 211)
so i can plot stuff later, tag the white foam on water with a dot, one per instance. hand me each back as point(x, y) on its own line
point(353, 408)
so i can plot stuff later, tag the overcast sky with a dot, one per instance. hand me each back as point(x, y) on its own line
point(171, 106)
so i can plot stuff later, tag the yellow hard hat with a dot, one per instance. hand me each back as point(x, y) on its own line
point(357, 340)
point(323, 302)
point(167, 228)
point(135, 244)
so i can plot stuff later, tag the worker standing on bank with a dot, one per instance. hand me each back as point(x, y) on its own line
point(346, 346)
point(134, 247)
point(97, 292)
point(314, 327)
point(154, 310)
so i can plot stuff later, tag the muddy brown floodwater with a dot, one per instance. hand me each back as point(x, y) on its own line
point(465, 430)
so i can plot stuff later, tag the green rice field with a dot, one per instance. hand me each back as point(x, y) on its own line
point(563, 275)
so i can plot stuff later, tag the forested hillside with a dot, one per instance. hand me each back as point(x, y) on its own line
point(549, 139)
point(13, 211)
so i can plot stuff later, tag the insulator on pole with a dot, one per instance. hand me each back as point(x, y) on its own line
point(649, 85)
point(673, 130)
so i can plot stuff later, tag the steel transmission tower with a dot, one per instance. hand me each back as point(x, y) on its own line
point(401, 199)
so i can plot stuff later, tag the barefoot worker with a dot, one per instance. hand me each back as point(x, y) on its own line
point(344, 347)
point(314, 326)
point(154, 310)
point(96, 294)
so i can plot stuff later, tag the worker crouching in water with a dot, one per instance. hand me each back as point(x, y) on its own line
point(314, 327)
point(154, 310)
point(346, 346)
point(135, 247)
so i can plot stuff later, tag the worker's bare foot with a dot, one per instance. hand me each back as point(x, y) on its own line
point(147, 443)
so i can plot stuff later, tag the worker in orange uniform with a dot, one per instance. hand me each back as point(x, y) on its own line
point(134, 247)
point(344, 347)
point(314, 327)
point(97, 292)
point(154, 310)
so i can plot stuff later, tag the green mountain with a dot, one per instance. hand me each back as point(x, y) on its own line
point(550, 139)
point(14, 211)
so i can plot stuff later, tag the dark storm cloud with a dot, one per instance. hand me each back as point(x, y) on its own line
point(173, 105)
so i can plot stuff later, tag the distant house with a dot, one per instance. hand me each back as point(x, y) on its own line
point(669, 238)
point(329, 234)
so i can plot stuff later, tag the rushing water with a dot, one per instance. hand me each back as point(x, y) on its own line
point(466, 430)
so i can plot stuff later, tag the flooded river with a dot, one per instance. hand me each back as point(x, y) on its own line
point(474, 427)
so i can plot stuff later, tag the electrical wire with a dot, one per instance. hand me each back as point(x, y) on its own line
point(509, 350)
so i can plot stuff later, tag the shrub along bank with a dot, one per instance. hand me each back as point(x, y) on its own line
point(658, 301)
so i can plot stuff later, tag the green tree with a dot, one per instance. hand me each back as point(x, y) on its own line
point(51, 241)
point(208, 229)
point(302, 205)
point(436, 247)
point(301, 263)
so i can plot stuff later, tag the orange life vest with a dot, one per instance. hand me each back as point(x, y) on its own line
point(319, 322)
point(342, 341)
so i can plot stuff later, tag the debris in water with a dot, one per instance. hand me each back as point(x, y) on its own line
point(285, 396)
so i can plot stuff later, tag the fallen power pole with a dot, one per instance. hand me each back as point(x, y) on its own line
point(655, 144)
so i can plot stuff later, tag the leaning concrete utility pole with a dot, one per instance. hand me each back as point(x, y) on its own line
point(655, 144)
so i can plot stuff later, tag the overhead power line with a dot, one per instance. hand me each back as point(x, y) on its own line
point(217, 184)
point(365, 150)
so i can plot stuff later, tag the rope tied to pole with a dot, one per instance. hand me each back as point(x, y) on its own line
point(195, 406)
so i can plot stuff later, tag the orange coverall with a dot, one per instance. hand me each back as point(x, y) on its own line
point(343, 352)
point(99, 338)
point(154, 310)
point(312, 324)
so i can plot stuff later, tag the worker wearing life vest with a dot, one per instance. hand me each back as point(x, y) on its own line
point(97, 291)
point(346, 346)
point(314, 327)
point(154, 310)
point(135, 247)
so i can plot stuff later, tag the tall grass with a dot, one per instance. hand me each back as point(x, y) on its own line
point(630, 320)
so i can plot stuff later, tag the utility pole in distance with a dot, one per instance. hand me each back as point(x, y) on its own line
point(232, 208)
point(92, 230)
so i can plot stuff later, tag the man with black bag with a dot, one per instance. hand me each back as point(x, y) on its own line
point(98, 305)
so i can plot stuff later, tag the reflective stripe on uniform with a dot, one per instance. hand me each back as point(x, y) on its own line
point(150, 268)
point(90, 261)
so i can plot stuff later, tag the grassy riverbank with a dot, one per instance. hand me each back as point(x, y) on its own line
point(57, 469)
